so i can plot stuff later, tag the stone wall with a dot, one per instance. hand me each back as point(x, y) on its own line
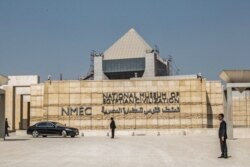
point(134, 104)
point(215, 103)
point(241, 109)
point(17, 97)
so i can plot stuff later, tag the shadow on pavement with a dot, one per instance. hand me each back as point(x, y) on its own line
point(16, 139)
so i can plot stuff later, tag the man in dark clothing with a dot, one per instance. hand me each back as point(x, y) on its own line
point(112, 127)
point(223, 136)
point(6, 127)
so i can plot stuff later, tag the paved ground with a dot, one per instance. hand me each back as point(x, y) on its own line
point(124, 151)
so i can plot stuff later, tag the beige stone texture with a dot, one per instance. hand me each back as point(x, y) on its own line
point(198, 101)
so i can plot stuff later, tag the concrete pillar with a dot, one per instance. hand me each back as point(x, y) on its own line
point(2, 116)
point(9, 105)
point(98, 72)
point(149, 65)
point(228, 114)
point(18, 107)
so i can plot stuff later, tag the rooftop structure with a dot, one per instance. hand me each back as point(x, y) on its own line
point(129, 57)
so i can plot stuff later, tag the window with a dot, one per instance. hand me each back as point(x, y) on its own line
point(50, 124)
point(42, 124)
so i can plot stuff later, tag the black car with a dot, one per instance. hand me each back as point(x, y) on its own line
point(51, 128)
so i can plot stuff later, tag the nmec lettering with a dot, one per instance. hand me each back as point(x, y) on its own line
point(79, 111)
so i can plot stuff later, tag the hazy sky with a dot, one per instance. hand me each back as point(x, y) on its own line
point(52, 37)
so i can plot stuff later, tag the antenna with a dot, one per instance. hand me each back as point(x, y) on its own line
point(172, 67)
point(156, 49)
point(90, 74)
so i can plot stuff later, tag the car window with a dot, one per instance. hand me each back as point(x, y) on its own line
point(42, 124)
point(59, 124)
point(50, 124)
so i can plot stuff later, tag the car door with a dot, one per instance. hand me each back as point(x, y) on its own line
point(51, 129)
point(42, 128)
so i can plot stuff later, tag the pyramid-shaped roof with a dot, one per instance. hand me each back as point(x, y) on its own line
point(130, 45)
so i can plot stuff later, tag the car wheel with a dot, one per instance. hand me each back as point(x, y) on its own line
point(35, 133)
point(64, 133)
point(44, 136)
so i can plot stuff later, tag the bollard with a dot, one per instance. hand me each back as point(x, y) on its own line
point(82, 134)
point(158, 134)
point(108, 134)
point(184, 133)
point(133, 134)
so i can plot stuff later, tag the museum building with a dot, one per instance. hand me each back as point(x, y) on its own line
point(130, 82)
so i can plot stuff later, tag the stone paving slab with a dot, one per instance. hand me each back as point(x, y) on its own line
point(123, 151)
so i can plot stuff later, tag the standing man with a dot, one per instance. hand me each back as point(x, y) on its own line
point(112, 127)
point(223, 136)
point(6, 127)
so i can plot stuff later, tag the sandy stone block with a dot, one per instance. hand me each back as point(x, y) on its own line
point(141, 83)
point(97, 89)
point(86, 90)
point(53, 99)
point(248, 120)
point(183, 99)
point(107, 83)
point(204, 108)
point(164, 88)
point(151, 122)
point(149, 83)
point(54, 110)
point(118, 83)
point(196, 109)
point(97, 98)
point(37, 101)
point(36, 112)
point(173, 83)
point(174, 88)
point(74, 87)
point(64, 99)
point(163, 122)
point(154, 83)
point(196, 87)
point(217, 109)
point(37, 89)
point(162, 83)
point(197, 121)
point(185, 88)
point(85, 84)
point(64, 87)
point(119, 89)
point(152, 88)
point(182, 82)
point(86, 124)
point(105, 89)
point(129, 84)
point(187, 83)
point(52, 88)
point(185, 108)
point(196, 96)
point(203, 98)
point(85, 98)
point(175, 122)
point(96, 83)
point(186, 122)
point(75, 99)
point(97, 110)
point(97, 123)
